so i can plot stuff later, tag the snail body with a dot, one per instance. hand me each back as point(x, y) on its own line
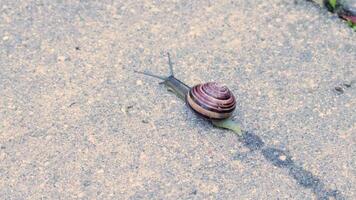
point(210, 100)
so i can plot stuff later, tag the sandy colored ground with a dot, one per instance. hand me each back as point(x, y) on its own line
point(77, 123)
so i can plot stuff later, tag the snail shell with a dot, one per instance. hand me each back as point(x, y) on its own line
point(211, 100)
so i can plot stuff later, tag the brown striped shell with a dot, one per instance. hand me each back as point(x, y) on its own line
point(212, 100)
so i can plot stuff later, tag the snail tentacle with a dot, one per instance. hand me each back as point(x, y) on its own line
point(173, 85)
point(152, 75)
point(171, 72)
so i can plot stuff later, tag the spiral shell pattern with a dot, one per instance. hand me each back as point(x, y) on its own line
point(212, 100)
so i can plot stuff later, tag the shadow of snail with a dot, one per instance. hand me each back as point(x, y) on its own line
point(216, 103)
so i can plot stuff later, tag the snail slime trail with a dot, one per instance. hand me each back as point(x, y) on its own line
point(216, 103)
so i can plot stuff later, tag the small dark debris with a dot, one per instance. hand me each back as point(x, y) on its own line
point(86, 183)
point(195, 192)
point(339, 89)
point(145, 121)
point(3, 147)
point(77, 48)
point(240, 156)
point(129, 107)
point(72, 104)
point(306, 56)
point(109, 81)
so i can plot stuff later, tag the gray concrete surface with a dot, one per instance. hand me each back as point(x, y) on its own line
point(77, 123)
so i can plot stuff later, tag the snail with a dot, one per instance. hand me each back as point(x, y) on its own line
point(212, 101)
point(216, 103)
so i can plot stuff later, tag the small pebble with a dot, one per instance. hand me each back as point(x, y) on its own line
point(5, 38)
point(61, 58)
point(123, 110)
point(347, 85)
point(339, 89)
point(282, 157)
point(81, 194)
point(139, 82)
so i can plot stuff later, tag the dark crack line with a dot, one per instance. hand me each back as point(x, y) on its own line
point(283, 159)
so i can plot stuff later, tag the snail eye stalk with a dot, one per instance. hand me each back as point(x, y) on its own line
point(171, 73)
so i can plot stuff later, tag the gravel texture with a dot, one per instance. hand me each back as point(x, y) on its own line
point(77, 123)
